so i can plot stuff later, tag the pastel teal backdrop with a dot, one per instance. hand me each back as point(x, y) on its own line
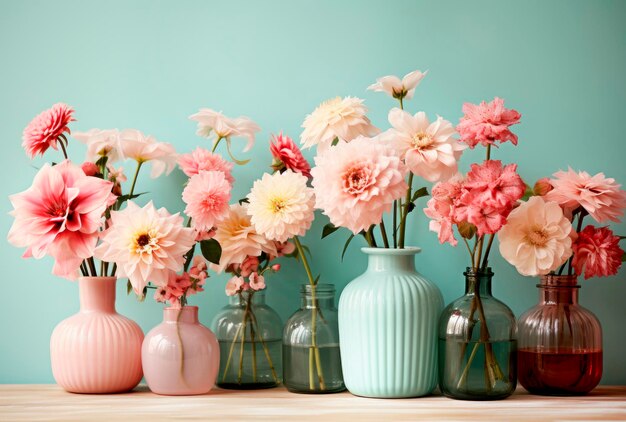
point(150, 64)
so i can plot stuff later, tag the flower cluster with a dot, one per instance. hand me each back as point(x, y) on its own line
point(181, 286)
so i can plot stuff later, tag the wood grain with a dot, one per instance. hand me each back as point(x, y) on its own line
point(50, 403)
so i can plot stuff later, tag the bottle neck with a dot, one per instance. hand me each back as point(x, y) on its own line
point(322, 296)
point(97, 294)
point(478, 282)
point(385, 259)
point(558, 289)
point(257, 298)
point(186, 314)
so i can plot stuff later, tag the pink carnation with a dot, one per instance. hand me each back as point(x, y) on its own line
point(207, 195)
point(600, 196)
point(288, 155)
point(203, 160)
point(487, 123)
point(597, 252)
point(491, 185)
point(60, 215)
point(356, 182)
point(46, 128)
point(441, 209)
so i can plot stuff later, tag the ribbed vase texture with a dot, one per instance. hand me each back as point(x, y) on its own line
point(180, 356)
point(97, 350)
point(388, 327)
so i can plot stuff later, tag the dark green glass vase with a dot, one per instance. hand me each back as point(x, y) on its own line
point(477, 344)
point(311, 358)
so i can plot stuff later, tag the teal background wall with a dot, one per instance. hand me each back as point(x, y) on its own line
point(150, 64)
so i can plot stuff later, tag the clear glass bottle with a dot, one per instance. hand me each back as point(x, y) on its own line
point(311, 358)
point(477, 343)
point(250, 336)
point(560, 342)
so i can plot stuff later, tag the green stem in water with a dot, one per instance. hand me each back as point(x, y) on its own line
point(405, 212)
point(230, 352)
point(265, 349)
point(180, 342)
point(243, 338)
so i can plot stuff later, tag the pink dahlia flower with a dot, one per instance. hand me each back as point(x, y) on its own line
point(45, 129)
point(207, 195)
point(487, 123)
point(441, 210)
point(60, 215)
point(600, 196)
point(213, 124)
point(396, 88)
point(597, 252)
point(356, 182)
point(428, 149)
point(146, 244)
point(202, 160)
point(537, 237)
point(141, 148)
point(288, 155)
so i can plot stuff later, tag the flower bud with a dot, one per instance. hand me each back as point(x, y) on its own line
point(276, 267)
point(89, 168)
point(542, 187)
point(467, 230)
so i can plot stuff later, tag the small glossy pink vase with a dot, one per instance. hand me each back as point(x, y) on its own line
point(97, 350)
point(180, 356)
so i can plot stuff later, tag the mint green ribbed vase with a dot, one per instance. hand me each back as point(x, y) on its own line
point(388, 327)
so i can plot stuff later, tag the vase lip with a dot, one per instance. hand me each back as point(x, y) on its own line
point(554, 280)
point(409, 250)
point(174, 308)
point(320, 288)
point(92, 278)
point(469, 271)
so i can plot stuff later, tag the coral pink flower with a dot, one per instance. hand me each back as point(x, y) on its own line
point(60, 215)
point(234, 285)
point(101, 143)
point(396, 88)
point(276, 268)
point(597, 252)
point(288, 156)
point(441, 210)
point(213, 124)
point(204, 234)
point(600, 196)
point(249, 265)
point(537, 237)
point(339, 118)
point(491, 185)
point(257, 282)
point(487, 123)
point(207, 195)
point(89, 168)
point(356, 182)
point(141, 148)
point(146, 244)
point(428, 149)
point(202, 160)
point(45, 129)
point(198, 271)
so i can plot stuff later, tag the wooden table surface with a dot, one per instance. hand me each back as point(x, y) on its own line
point(49, 402)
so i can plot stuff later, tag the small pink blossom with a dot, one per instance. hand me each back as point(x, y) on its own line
point(207, 195)
point(396, 88)
point(204, 234)
point(45, 129)
point(275, 267)
point(234, 285)
point(116, 175)
point(288, 156)
point(257, 282)
point(198, 269)
point(597, 252)
point(487, 123)
point(249, 265)
point(441, 209)
point(89, 168)
point(285, 248)
point(201, 159)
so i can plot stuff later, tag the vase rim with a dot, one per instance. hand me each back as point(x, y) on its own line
point(321, 287)
point(174, 308)
point(409, 250)
point(92, 278)
point(554, 280)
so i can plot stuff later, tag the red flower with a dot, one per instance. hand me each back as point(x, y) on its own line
point(46, 128)
point(597, 252)
point(289, 156)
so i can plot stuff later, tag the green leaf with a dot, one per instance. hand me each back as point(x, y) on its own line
point(528, 193)
point(335, 142)
point(124, 198)
point(244, 200)
point(129, 287)
point(329, 229)
point(211, 250)
point(345, 247)
point(419, 194)
point(624, 257)
point(316, 280)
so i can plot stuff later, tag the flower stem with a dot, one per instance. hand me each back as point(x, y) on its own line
point(216, 144)
point(486, 257)
point(395, 224)
point(488, 151)
point(243, 338)
point(230, 352)
point(265, 349)
point(132, 186)
point(62, 140)
point(405, 212)
point(180, 342)
point(383, 232)
point(579, 227)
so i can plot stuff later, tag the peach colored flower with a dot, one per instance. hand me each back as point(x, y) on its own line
point(288, 156)
point(101, 143)
point(213, 124)
point(206, 195)
point(537, 237)
point(234, 285)
point(600, 196)
point(396, 88)
point(356, 182)
point(281, 205)
point(339, 118)
point(487, 123)
point(45, 129)
point(202, 160)
point(60, 215)
point(597, 252)
point(141, 148)
point(239, 239)
point(428, 149)
point(146, 244)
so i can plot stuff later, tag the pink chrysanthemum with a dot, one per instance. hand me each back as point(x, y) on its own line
point(356, 182)
point(45, 129)
point(487, 123)
point(597, 252)
point(600, 196)
point(60, 215)
point(207, 195)
point(203, 160)
point(146, 244)
point(288, 156)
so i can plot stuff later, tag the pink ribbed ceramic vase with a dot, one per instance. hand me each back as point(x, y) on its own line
point(180, 356)
point(97, 350)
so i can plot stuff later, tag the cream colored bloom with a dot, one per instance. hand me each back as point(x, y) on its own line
point(393, 86)
point(213, 124)
point(101, 143)
point(281, 205)
point(537, 237)
point(141, 148)
point(344, 119)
